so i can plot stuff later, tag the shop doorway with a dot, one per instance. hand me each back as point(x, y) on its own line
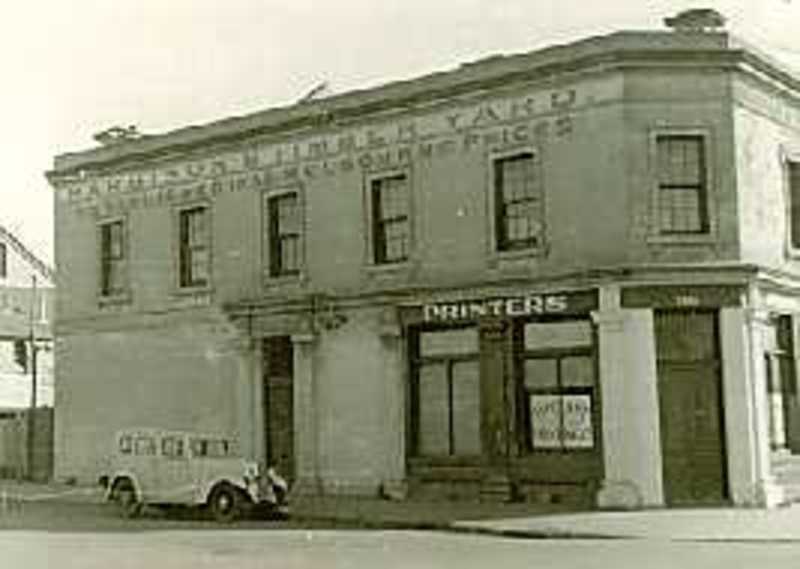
point(279, 404)
point(690, 405)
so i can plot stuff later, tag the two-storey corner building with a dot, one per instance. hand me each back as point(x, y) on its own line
point(567, 275)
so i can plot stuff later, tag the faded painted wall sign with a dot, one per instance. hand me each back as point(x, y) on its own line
point(536, 118)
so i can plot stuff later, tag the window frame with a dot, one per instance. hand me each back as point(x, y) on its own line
point(3, 260)
point(707, 200)
point(380, 222)
point(494, 204)
point(789, 161)
point(182, 262)
point(371, 254)
point(267, 250)
point(416, 361)
point(121, 294)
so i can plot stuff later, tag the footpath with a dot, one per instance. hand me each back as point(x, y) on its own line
point(521, 520)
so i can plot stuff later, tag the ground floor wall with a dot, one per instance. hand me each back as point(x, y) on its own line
point(540, 393)
point(350, 408)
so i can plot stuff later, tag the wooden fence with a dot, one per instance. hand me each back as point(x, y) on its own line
point(14, 456)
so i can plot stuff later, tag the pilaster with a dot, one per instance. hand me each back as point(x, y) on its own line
point(248, 396)
point(395, 485)
point(306, 409)
point(497, 421)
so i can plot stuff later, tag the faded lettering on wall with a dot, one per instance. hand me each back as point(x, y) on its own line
point(532, 119)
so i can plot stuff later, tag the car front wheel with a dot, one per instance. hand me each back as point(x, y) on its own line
point(226, 504)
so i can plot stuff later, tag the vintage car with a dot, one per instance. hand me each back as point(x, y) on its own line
point(165, 468)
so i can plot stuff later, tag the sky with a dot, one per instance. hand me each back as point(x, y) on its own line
point(75, 67)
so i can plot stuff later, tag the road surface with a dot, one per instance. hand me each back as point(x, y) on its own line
point(340, 549)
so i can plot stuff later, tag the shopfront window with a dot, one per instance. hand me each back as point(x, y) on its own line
point(556, 385)
point(446, 393)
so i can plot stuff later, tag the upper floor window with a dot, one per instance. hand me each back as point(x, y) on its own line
point(3, 261)
point(794, 202)
point(681, 174)
point(390, 219)
point(195, 251)
point(519, 208)
point(284, 227)
point(112, 258)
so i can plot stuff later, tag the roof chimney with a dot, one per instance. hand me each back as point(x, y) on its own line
point(117, 135)
point(696, 20)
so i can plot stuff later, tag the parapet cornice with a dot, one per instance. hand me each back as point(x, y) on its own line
point(603, 53)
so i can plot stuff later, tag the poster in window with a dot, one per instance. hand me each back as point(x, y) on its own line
point(545, 421)
point(577, 421)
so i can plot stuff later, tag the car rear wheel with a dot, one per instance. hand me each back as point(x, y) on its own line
point(128, 504)
point(226, 504)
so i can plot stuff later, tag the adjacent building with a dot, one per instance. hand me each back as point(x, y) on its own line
point(570, 275)
point(26, 295)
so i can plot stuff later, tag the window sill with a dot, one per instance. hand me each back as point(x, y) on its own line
point(192, 290)
point(388, 268)
point(120, 299)
point(193, 296)
point(388, 274)
point(560, 451)
point(516, 257)
point(270, 282)
point(682, 239)
point(444, 461)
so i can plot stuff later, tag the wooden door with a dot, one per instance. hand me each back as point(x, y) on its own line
point(279, 404)
point(690, 406)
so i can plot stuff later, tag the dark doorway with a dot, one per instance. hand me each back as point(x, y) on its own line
point(690, 402)
point(279, 404)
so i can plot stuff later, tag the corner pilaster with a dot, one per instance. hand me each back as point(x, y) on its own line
point(630, 410)
point(743, 335)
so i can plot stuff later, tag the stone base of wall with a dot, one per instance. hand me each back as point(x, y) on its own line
point(619, 495)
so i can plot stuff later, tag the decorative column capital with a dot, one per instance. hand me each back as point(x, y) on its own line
point(304, 338)
point(389, 327)
point(241, 345)
point(493, 329)
point(609, 321)
point(761, 316)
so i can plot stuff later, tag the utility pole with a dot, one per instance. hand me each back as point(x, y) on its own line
point(34, 381)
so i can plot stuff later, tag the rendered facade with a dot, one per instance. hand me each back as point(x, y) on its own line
point(567, 275)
